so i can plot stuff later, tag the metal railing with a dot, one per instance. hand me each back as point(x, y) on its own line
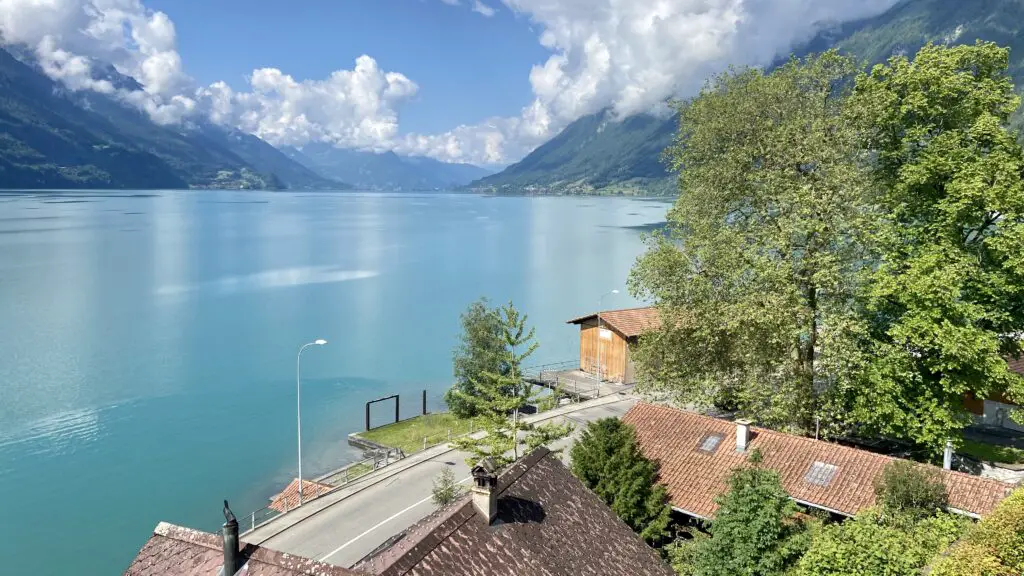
point(379, 459)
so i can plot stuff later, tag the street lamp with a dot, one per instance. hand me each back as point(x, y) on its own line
point(298, 402)
point(600, 303)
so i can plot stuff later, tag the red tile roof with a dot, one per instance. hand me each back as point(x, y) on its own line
point(177, 551)
point(289, 497)
point(630, 323)
point(694, 477)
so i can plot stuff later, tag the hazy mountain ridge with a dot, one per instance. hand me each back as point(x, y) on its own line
point(383, 171)
point(597, 154)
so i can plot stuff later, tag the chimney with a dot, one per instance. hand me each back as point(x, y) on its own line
point(947, 456)
point(485, 489)
point(742, 435)
point(231, 555)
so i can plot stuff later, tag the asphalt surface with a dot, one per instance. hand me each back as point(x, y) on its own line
point(344, 529)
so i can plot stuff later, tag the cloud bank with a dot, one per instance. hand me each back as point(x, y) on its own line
point(626, 55)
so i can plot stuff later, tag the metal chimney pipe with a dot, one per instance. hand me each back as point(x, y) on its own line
point(947, 456)
point(231, 555)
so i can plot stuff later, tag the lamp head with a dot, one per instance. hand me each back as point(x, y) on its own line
point(320, 342)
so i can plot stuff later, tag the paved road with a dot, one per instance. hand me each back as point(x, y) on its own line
point(349, 527)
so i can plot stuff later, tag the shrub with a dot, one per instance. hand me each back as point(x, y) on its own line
point(994, 547)
point(871, 545)
point(909, 489)
point(446, 490)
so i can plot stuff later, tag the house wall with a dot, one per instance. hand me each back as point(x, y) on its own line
point(613, 351)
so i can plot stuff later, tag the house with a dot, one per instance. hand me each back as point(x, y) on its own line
point(696, 454)
point(995, 410)
point(605, 338)
point(533, 519)
point(177, 551)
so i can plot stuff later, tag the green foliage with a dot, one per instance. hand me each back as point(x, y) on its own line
point(993, 547)
point(755, 531)
point(498, 395)
point(946, 299)
point(868, 545)
point(909, 489)
point(446, 489)
point(757, 276)
point(682, 553)
point(481, 349)
point(608, 461)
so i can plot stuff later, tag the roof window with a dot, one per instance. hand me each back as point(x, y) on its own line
point(821, 474)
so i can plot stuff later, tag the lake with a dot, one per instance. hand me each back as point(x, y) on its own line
point(148, 341)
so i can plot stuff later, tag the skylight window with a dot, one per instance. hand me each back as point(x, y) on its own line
point(710, 443)
point(821, 474)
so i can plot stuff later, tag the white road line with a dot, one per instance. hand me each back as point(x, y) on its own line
point(392, 517)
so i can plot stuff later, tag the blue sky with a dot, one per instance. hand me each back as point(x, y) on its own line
point(468, 67)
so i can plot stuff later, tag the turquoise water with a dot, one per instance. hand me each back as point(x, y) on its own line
point(147, 341)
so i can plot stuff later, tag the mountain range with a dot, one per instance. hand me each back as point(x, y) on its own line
point(600, 154)
point(384, 170)
point(53, 137)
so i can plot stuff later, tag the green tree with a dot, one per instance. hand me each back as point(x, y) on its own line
point(608, 461)
point(481, 349)
point(870, 545)
point(909, 489)
point(755, 531)
point(757, 275)
point(445, 490)
point(946, 303)
point(498, 397)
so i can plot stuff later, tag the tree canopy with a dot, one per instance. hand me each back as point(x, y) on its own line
point(846, 246)
point(481, 349)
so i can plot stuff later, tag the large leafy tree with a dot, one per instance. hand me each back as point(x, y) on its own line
point(946, 303)
point(755, 531)
point(498, 397)
point(757, 276)
point(481, 349)
point(608, 461)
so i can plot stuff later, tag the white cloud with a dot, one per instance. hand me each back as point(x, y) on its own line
point(632, 55)
point(350, 108)
point(481, 8)
point(626, 55)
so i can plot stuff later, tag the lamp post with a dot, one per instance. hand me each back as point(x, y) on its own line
point(298, 402)
point(600, 303)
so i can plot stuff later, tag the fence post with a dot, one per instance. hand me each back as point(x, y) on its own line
point(449, 434)
point(424, 402)
point(424, 442)
point(254, 520)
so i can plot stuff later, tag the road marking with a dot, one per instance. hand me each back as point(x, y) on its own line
point(392, 517)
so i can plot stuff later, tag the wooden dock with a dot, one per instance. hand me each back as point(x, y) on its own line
point(568, 380)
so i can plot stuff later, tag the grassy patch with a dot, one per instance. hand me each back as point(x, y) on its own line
point(992, 453)
point(409, 434)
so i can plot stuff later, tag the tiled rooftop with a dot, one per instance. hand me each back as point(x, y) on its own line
point(819, 473)
point(630, 322)
point(548, 524)
point(177, 551)
point(289, 497)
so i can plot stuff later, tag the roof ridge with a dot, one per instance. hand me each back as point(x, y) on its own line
point(820, 442)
